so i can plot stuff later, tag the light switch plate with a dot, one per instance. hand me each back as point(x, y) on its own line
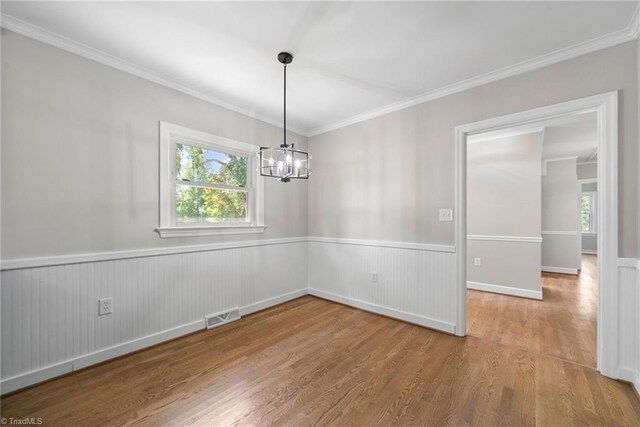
point(446, 215)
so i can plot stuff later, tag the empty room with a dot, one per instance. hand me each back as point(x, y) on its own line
point(320, 213)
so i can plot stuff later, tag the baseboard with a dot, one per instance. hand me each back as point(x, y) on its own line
point(561, 270)
point(386, 311)
point(270, 302)
point(506, 290)
point(30, 378)
point(589, 252)
point(630, 376)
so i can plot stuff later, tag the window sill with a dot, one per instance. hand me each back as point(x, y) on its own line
point(589, 233)
point(168, 232)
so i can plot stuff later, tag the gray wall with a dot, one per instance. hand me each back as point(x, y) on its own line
point(587, 170)
point(560, 215)
point(503, 199)
point(80, 155)
point(589, 243)
point(397, 170)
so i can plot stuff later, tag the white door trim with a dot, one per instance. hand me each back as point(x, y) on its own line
point(606, 107)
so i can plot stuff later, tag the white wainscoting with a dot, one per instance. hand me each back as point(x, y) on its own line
point(49, 314)
point(50, 324)
point(416, 283)
point(629, 352)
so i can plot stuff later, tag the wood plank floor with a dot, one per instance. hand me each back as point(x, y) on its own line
point(313, 362)
point(563, 324)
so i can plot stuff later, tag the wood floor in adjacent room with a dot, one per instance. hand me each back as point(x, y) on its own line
point(563, 324)
point(311, 361)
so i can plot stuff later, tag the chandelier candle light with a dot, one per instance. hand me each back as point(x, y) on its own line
point(284, 162)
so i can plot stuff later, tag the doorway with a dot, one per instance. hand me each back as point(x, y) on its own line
point(605, 108)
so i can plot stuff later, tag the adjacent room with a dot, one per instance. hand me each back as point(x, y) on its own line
point(531, 236)
point(320, 213)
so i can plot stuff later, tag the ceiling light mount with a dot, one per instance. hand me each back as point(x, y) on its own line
point(285, 58)
point(285, 162)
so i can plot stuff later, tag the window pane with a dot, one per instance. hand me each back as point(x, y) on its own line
point(201, 165)
point(585, 213)
point(197, 205)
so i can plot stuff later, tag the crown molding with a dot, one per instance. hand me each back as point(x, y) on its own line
point(634, 26)
point(560, 159)
point(45, 36)
point(630, 33)
point(504, 133)
point(612, 39)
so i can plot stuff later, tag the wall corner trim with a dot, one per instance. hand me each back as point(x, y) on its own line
point(385, 244)
point(49, 261)
point(522, 239)
point(505, 290)
point(629, 263)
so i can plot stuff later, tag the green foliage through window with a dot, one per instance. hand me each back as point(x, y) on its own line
point(585, 213)
point(211, 187)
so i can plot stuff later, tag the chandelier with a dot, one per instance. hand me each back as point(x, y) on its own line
point(284, 162)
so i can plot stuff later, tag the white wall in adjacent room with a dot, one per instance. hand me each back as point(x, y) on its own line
point(503, 201)
point(560, 217)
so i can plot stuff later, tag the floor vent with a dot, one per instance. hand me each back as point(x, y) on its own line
point(214, 320)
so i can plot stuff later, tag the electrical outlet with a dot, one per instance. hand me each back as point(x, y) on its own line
point(477, 261)
point(374, 277)
point(446, 215)
point(105, 306)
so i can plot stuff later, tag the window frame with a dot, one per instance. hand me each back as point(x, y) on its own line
point(592, 212)
point(169, 227)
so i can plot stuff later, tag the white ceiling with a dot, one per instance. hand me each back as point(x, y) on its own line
point(351, 58)
point(574, 135)
point(571, 136)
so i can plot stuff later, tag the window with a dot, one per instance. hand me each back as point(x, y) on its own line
point(587, 213)
point(207, 184)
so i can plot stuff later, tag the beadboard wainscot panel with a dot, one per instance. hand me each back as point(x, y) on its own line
point(629, 277)
point(50, 322)
point(415, 282)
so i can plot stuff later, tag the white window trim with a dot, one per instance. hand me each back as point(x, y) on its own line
point(168, 226)
point(594, 214)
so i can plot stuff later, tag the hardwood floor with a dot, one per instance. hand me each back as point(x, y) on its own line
point(563, 324)
point(313, 362)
